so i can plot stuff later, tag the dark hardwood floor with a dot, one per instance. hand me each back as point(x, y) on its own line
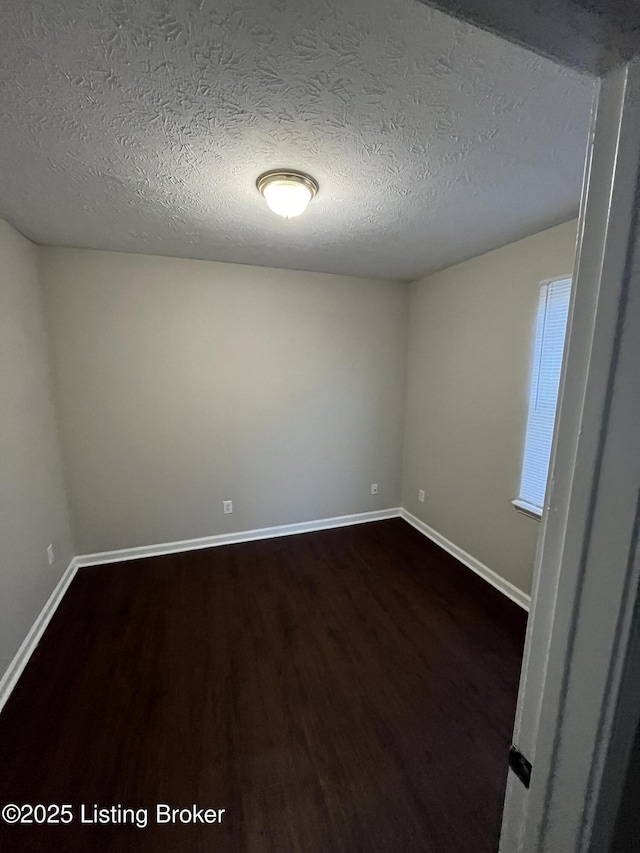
point(346, 690)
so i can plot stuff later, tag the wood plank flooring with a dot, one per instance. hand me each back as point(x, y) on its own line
point(346, 690)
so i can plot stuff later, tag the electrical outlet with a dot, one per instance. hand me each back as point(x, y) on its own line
point(374, 488)
point(421, 496)
point(50, 555)
point(227, 507)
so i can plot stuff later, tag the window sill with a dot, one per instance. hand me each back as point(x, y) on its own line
point(529, 510)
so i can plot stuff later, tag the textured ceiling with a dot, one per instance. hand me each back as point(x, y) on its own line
point(141, 125)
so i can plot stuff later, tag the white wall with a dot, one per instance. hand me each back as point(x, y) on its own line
point(182, 383)
point(469, 360)
point(33, 508)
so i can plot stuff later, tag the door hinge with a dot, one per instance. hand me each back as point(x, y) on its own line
point(520, 766)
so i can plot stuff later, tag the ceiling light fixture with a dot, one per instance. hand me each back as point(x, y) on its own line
point(287, 193)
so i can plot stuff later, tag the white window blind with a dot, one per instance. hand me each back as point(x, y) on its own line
point(551, 327)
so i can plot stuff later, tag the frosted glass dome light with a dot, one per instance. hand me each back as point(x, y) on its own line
point(287, 193)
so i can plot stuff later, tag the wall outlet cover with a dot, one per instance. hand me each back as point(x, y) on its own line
point(227, 507)
point(421, 496)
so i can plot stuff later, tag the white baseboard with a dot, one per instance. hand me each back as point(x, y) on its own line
point(470, 562)
point(17, 665)
point(234, 538)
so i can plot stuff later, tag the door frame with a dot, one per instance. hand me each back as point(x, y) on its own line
point(577, 707)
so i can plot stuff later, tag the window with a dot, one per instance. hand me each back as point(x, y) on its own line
point(551, 327)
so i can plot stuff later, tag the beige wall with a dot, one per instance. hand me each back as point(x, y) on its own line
point(33, 508)
point(183, 383)
point(469, 359)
